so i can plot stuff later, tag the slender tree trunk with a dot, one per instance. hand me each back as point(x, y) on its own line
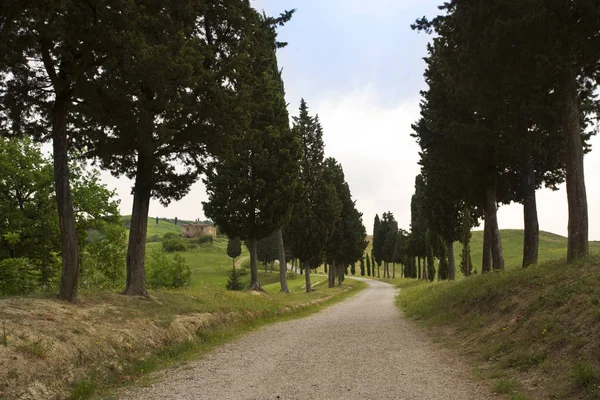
point(340, 276)
point(282, 264)
point(331, 274)
point(419, 268)
point(425, 268)
point(304, 266)
point(378, 265)
point(532, 229)
point(66, 218)
point(393, 270)
point(136, 249)
point(491, 211)
point(451, 262)
point(578, 245)
point(486, 262)
point(254, 281)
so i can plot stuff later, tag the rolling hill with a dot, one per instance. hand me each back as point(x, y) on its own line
point(154, 229)
point(552, 248)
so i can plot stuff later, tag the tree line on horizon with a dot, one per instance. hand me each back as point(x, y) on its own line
point(162, 93)
point(510, 105)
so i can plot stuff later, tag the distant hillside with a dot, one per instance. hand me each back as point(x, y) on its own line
point(552, 247)
point(154, 229)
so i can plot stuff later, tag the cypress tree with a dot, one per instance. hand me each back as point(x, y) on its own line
point(317, 207)
point(368, 264)
point(251, 187)
point(362, 266)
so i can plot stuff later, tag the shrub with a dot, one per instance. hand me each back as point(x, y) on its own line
point(18, 276)
point(103, 262)
point(153, 239)
point(171, 235)
point(291, 274)
point(164, 273)
point(584, 374)
point(204, 239)
point(173, 245)
point(234, 282)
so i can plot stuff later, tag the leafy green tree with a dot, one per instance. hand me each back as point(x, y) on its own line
point(234, 249)
point(29, 208)
point(362, 266)
point(48, 54)
point(251, 188)
point(368, 265)
point(103, 257)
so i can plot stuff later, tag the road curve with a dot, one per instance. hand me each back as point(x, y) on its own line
point(361, 348)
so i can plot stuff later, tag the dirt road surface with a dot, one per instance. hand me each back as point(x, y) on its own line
point(361, 348)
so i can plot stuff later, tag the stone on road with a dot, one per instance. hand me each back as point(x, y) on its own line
point(361, 348)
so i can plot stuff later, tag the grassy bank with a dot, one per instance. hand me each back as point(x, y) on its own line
point(532, 333)
point(49, 348)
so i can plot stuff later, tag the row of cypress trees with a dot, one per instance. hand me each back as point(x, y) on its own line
point(509, 108)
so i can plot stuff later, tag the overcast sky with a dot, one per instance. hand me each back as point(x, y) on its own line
point(359, 66)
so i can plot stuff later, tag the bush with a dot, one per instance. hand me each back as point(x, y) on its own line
point(103, 262)
point(153, 239)
point(18, 276)
point(291, 274)
point(234, 282)
point(164, 273)
point(204, 239)
point(173, 245)
point(171, 235)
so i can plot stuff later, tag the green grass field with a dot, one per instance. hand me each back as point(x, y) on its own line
point(154, 229)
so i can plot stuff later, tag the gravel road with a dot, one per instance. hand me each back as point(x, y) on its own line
point(361, 348)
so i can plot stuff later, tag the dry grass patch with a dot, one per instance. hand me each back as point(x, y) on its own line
point(49, 347)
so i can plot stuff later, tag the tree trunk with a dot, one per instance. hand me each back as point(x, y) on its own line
point(136, 249)
point(425, 268)
point(530, 218)
point(451, 262)
point(492, 216)
point(393, 270)
point(254, 281)
point(578, 245)
point(282, 264)
point(331, 274)
point(419, 268)
point(378, 265)
point(66, 218)
point(486, 262)
point(306, 276)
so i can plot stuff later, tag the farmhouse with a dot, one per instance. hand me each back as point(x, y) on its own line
point(198, 229)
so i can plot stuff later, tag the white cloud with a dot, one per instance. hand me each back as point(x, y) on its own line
point(374, 146)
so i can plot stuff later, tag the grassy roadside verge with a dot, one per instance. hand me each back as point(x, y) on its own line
point(531, 333)
point(50, 349)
